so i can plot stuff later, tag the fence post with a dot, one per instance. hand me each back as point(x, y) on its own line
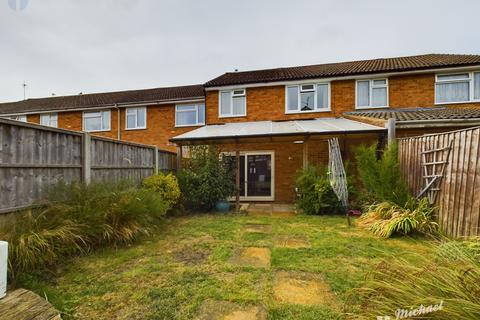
point(86, 158)
point(3, 268)
point(155, 158)
point(390, 125)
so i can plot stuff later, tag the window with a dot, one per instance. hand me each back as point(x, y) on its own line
point(22, 118)
point(458, 87)
point(96, 121)
point(372, 93)
point(136, 118)
point(308, 98)
point(189, 115)
point(49, 119)
point(233, 103)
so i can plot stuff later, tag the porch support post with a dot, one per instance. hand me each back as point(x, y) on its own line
point(390, 125)
point(179, 156)
point(237, 178)
point(305, 153)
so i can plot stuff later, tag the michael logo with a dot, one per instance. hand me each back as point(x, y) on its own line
point(17, 5)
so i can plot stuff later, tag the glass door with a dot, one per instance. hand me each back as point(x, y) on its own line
point(259, 175)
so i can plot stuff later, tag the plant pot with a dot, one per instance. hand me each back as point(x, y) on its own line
point(222, 206)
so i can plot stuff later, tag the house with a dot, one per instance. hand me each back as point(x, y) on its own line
point(276, 121)
point(149, 116)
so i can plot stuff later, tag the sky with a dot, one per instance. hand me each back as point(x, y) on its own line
point(65, 47)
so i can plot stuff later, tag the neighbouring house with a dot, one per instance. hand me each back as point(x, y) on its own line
point(276, 121)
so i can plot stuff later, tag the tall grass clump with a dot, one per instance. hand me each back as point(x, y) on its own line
point(76, 218)
point(386, 219)
point(450, 275)
point(381, 177)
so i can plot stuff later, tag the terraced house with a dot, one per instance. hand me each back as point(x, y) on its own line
point(275, 121)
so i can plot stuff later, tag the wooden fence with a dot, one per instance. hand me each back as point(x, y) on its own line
point(458, 200)
point(33, 157)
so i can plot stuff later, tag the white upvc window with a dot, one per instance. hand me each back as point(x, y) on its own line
point(307, 98)
point(372, 93)
point(457, 87)
point(49, 119)
point(233, 103)
point(94, 121)
point(22, 118)
point(136, 118)
point(189, 115)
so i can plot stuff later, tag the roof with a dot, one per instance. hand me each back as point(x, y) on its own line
point(420, 114)
point(411, 63)
point(103, 99)
point(277, 128)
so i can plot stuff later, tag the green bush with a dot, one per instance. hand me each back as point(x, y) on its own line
point(166, 185)
point(205, 179)
point(381, 177)
point(451, 273)
point(77, 218)
point(386, 219)
point(315, 194)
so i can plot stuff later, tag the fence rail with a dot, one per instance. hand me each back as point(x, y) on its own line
point(33, 157)
point(458, 200)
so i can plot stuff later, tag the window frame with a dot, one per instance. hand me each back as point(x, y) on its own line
point(101, 117)
point(232, 95)
point(197, 105)
point(50, 115)
point(471, 86)
point(315, 99)
point(136, 118)
point(370, 93)
point(18, 117)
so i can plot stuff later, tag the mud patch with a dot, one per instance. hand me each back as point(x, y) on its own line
point(191, 256)
point(294, 242)
point(251, 257)
point(302, 288)
point(258, 228)
point(224, 310)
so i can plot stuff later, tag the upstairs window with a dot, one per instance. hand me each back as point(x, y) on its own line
point(308, 98)
point(372, 93)
point(49, 120)
point(233, 103)
point(136, 118)
point(96, 121)
point(22, 118)
point(189, 115)
point(457, 87)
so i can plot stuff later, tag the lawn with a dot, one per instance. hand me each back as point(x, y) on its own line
point(209, 266)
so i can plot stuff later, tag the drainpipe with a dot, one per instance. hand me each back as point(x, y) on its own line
point(390, 125)
point(119, 134)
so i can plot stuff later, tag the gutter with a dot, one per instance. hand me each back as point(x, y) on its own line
point(437, 123)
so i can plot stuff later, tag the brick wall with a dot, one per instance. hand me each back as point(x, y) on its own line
point(160, 126)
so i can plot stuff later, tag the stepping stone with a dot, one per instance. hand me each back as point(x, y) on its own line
point(283, 214)
point(294, 242)
point(251, 257)
point(225, 310)
point(258, 228)
point(302, 288)
point(191, 256)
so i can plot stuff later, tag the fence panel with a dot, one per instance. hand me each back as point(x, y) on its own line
point(33, 157)
point(457, 202)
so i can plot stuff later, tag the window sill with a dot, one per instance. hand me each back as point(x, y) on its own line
point(106, 130)
point(459, 102)
point(312, 111)
point(366, 108)
point(190, 125)
point(133, 129)
point(235, 116)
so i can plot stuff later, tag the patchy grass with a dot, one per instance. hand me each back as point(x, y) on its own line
point(190, 263)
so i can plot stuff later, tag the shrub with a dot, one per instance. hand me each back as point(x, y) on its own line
point(76, 218)
point(315, 194)
point(451, 274)
point(205, 179)
point(166, 185)
point(386, 219)
point(381, 177)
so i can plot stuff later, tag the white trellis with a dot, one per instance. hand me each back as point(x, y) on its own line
point(336, 172)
